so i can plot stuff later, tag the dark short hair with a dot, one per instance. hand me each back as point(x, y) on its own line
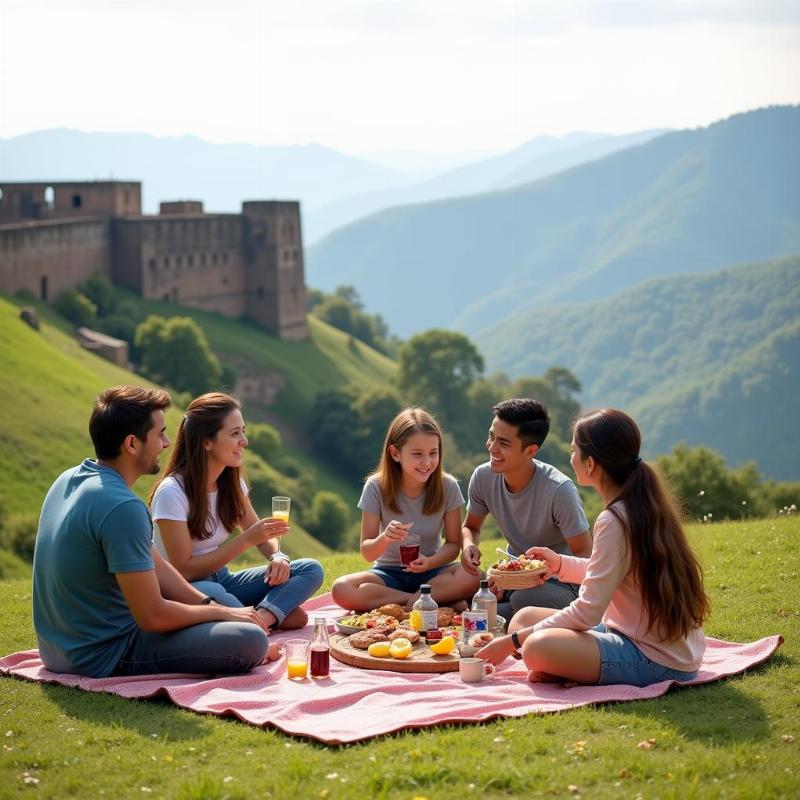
point(121, 411)
point(531, 418)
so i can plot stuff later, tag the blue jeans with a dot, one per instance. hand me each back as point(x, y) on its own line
point(205, 649)
point(621, 661)
point(551, 594)
point(247, 588)
point(402, 581)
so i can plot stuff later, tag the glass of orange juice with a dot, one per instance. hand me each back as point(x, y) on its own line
point(280, 510)
point(296, 659)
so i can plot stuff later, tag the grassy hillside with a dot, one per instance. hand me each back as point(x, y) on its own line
point(689, 201)
point(731, 739)
point(51, 382)
point(694, 357)
point(328, 359)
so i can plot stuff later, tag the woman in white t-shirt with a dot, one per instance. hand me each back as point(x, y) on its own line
point(202, 498)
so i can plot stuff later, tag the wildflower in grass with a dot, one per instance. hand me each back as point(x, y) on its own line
point(647, 744)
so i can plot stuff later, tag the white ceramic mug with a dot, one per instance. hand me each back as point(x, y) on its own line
point(474, 670)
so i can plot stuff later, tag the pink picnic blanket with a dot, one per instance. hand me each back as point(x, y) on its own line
point(354, 704)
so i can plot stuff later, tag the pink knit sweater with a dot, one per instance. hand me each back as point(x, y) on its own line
point(608, 594)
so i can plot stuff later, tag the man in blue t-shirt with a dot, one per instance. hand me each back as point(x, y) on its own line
point(104, 601)
point(533, 503)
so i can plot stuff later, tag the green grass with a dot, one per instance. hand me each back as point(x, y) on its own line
point(44, 425)
point(329, 359)
point(716, 741)
point(53, 381)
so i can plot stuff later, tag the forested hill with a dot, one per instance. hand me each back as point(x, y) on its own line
point(710, 359)
point(689, 201)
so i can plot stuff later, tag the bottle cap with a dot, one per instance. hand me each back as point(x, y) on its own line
point(425, 588)
point(484, 583)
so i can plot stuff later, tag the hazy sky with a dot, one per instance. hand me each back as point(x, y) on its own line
point(382, 75)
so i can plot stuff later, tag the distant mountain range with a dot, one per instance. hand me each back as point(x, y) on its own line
point(537, 158)
point(333, 188)
point(185, 167)
point(709, 359)
point(689, 201)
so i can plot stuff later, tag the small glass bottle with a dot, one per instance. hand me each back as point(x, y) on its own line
point(424, 613)
point(320, 650)
point(484, 600)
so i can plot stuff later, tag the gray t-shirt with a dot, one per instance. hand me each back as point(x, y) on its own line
point(427, 526)
point(544, 514)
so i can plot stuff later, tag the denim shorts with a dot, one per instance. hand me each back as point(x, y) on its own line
point(409, 582)
point(621, 661)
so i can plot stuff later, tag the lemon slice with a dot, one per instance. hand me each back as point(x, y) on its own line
point(401, 648)
point(380, 649)
point(447, 645)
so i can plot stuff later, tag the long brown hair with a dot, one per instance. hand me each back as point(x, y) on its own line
point(664, 567)
point(189, 459)
point(389, 472)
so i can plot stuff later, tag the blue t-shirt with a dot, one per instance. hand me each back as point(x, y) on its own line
point(91, 527)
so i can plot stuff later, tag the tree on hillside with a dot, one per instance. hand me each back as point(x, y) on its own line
point(705, 485)
point(328, 519)
point(76, 307)
point(175, 352)
point(344, 310)
point(265, 441)
point(555, 389)
point(101, 292)
point(436, 371)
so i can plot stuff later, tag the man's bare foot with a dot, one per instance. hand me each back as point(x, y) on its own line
point(267, 617)
point(459, 605)
point(273, 652)
point(294, 620)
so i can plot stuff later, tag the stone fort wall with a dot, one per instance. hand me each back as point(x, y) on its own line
point(48, 257)
point(236, 264)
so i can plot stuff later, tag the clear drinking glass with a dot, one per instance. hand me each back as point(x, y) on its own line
point(280, 510)
point(296, 659)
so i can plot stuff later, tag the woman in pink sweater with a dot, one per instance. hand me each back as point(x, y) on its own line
point(638, 616)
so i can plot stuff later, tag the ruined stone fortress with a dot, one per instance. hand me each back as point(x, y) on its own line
point(55, 235)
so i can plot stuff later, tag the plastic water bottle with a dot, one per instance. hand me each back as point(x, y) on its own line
point(425, 612)
point(320, 650)
point(484, 600)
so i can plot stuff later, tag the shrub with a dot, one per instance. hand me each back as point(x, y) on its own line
point(265, 441)
point(76, 307)
point(328, 519)
point(20, 534)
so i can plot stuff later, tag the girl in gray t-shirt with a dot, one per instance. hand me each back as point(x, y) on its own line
point(407, 503)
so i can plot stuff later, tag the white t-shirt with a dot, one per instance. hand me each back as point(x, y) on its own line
point(170, 502)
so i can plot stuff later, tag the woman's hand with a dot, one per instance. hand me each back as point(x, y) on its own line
point(396, 531)
point(553, 560)
point(278, 571)
point(420, 564)
point(497, 651)
point(246, 614)
point(264, 529)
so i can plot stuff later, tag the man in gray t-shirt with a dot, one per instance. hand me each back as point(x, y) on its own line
point(533, 503)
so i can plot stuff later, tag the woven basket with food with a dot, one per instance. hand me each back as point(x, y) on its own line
point(520, 573)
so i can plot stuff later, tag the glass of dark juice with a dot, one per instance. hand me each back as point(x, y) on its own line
point(409, 549)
